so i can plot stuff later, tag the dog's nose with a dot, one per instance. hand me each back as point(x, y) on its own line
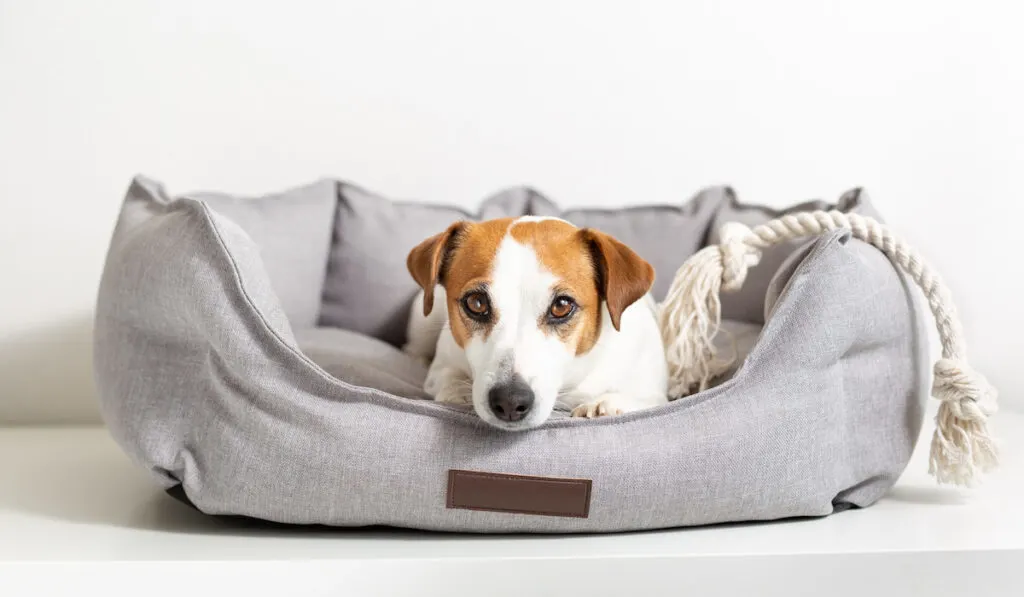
point(510, 401)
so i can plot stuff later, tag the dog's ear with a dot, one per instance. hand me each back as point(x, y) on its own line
point(623, 277)
point(427, 259)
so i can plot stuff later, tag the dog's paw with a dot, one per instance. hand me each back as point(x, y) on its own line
point(606, 405)
point(595, 409)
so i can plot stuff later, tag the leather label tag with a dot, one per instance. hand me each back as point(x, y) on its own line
point(519, 494)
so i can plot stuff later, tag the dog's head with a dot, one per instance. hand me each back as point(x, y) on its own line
point(526, 296)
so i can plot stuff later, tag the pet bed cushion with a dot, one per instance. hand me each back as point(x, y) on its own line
point(216, 375)
point(368, 288)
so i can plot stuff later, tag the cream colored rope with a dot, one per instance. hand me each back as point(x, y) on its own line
point(691, 315)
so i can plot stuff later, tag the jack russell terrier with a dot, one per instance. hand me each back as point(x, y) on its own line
point(533, 312)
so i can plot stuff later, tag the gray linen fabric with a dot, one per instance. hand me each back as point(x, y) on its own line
point(749, 305)
point(207, 382)
point(664, 235)
point(295, 264)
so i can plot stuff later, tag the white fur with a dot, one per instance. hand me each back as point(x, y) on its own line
point(624, 371)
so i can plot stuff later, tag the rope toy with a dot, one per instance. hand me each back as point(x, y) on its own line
point(691, 314)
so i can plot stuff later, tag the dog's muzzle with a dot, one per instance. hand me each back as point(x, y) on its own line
point(510, 400)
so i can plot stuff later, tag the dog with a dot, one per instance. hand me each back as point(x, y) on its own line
point(516, 316)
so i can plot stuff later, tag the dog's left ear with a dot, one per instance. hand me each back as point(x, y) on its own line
point(426, 260)
point(623, 277)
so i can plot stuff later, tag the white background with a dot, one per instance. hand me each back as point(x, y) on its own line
point(919, 102)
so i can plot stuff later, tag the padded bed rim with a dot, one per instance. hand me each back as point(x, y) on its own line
point(429, 408)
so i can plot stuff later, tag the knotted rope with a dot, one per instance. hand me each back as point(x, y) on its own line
point(691, 315)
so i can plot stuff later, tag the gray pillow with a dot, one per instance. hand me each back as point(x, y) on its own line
point(665, 235)
point(749, 305)
point(296, 266)
point(368, 288)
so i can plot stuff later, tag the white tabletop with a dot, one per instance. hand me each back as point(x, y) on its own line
point(70, 495)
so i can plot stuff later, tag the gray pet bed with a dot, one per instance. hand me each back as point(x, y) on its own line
point(246, 355)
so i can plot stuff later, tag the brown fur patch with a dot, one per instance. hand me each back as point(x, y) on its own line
point(468, 267)
point(564, 252)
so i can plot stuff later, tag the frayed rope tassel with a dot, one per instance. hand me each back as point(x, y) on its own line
point(691, 314)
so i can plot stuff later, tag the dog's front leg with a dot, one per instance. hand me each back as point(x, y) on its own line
point(424, 331)
point(449, 385)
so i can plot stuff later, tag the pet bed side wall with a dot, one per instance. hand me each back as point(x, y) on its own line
point(864, 328)
point(293, 230)
point(748, 304)
point(785, 439)
point(166, 318)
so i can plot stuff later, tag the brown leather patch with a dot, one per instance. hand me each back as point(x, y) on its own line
point(519, 494)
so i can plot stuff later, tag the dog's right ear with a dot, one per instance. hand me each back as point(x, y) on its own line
point(427, 259)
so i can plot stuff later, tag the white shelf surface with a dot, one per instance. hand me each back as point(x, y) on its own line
point(70, 495)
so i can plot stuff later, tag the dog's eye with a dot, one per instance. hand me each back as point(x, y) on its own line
point(561, 308)
point(477, 305)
